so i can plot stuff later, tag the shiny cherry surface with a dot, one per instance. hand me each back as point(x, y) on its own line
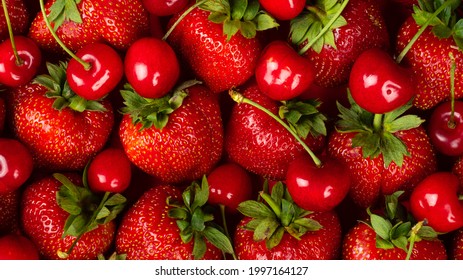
point(283, 9)
point(16, 164)
point(164, 7)
point(445, 132)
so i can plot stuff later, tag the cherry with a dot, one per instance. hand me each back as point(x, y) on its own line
point(151, 67)
point(16, 164)
point(281, 73)
point(109, 171)
point(229, 185)
point(164, 7)
point(283, 9)
point(378, 84)
point(317, 188)
point(445, 129)
point(19, 63)
point(17, 247)
point(436, 200)
point(100, 73)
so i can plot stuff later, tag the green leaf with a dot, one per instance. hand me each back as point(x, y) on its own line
point(381, 226)
point(254, 209)
point(403, 123)
point(369, 142)
point(393, 150)
point(197, 220)
point(103, 213)
point(265, 229)
point(218, 239)
point(427, 232)
point(200, 193)
point(217, 17)
point(252, 10)
point(238, 9)
point(115, 199)
point(275, 239)
point(220, 6)
point(248, 29)
point(309, 224)
point(383, 244)
point(401, 229)
point(76, 226)
point(300, 26)
point(231, 27)
point(401, 242)
point(66, 10)
point(392, 204)
point(69, 205)
point(199, 247)
point(288, 212)
point(178, 213)
point(264, 21)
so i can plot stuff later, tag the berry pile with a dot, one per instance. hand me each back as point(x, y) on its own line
point(231, 129)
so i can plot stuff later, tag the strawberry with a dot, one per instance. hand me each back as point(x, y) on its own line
point(9, 211)
point(67, 221)
point(429, 57)
point(392, 237)
point(19, 18)
point(208, 40)
point(456, 248)
point(260, 144)
point(385, 153)
point(62, 130)
point(359, 26)
point(277, 229)
point(176, 138)
point(160, 226)
point(2, 114)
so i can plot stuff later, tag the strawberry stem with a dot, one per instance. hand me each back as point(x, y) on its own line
point(414, 234)
point(451, 123)
point(85, 64)
point(239, 98)
point(378, 122)
point(182, 16)
point(420, 31)
point(19, 61)
point(326, 28)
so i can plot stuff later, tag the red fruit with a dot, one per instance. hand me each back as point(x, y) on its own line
point(17, 247)
point(103, 75)
point(259, 143)
point(364, 28)
point(229, 185)
point(2, 114)
point(59, 137)
point(151, 67)
point(181, 146)
point(446, 130)
point(148, 230)
point(283, 9)
point(378, 84)
point(43, 221)
point(19, 18)
point(164, 7)
point(9, 212)
point(15, 164)
point(457, 245)
point(14, 73)
point(436, 199)
point(313, 187)
point(109, 171)
point(282, 73)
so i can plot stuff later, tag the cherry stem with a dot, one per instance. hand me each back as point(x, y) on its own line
point(182, 16)
point(225, 227)
point(414, 234)
point(326, 28)
point(239, 98)
point(421, 30)
point(19, 61)
point(451, 123)
point(85, 64)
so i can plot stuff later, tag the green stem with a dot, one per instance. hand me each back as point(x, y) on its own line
point(325, 29)
point(378, 122)
point(19, 61)
point(225, 226)
point(421, 30)
point(182, 16)
point(275, 207)
point(85, 64)
point(414, 234)
point(239, 98)
point(451, 122)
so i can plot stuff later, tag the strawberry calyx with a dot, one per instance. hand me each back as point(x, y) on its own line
point(154, 111)
point(276, 215)
point(61, 11)
point(314, 27)
point(58, 89)
point(194, 218)
point(304, 117)
point(375, 133)
point(397, 229)
point(86, 209)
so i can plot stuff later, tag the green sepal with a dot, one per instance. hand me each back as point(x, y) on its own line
point(303, 117)
point(61, 11)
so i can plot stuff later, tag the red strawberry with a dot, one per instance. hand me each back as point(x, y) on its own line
point(457, 245)
point(176, 138)
point(148, 230)
point(429, 57)
point(360, 26)
point(221, 60)
point(280, 230)
point(61, 218)
point(62, 132)
point(2, 114)
point(19, 18)
point(385, 153)
point(391, 236)
point(9, 211)
point(260, 144)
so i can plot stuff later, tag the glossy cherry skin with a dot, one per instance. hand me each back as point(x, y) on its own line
point(13, 74)
point(151, 67)
point(283, 9)
point(378, 84)
point(105, 73)
point(229, 185)
point(281, 73)
point(317, 188)
point(164, 7)
point(109, 171)
point(17, 247)
point(436, 200)
point(447, 136)
point(16, 164)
